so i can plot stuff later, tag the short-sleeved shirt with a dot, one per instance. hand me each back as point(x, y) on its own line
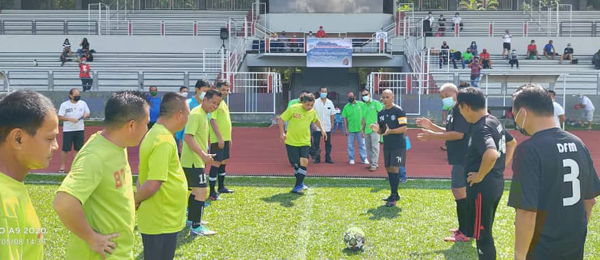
point(393, 117)
point(192, 103)
point(73, 110)
point(100, 179)
point(354, 114)
point(17, 215)
point(467, 56)
point(154, 108)
point(163, 212)
point(457, 149)
point(223, 119)
point(324, 113)
point(197, 126)
point(456, 19)
point(568, 50)
point(84, 70)
point(484, 56)
point(293, 102)
point(298, 133)
point(548, 48)
point(370, 114)
point(475, 69)
point(558, 110)
point(507, 37)
point(531, 47)
point(487, 133)
point(553, 175)
point(588, 103)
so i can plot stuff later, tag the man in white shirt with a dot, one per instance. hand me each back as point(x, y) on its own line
point(326, 114)
point(559, 112)
point(72, 112)
point(456, 20)
point(588, 109)
point(506, 38)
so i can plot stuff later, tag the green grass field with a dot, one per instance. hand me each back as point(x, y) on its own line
point(262, 220)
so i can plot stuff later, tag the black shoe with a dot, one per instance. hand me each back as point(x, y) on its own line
point(328, 161)
point(317, 161)
point(225, 190)
point(392, 198)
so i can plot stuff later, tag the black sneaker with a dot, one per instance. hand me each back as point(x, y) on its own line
point(317, 161)
point(225, 190)
point(390, 203)
point(329, 161)
point(391, 197)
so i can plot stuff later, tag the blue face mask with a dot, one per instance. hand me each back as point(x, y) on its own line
point(448, 103)
point(366, 98)
point(323, 95)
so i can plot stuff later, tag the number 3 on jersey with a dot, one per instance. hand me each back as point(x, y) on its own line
point(572, 177)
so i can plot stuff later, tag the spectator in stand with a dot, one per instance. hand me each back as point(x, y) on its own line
point(473, 48)
point(596, 60)
point(455, 56)
point(441, 26)
point(154, 100)
point(588, 110)
point(67, 45)
point(486, 61)
point(549, 50)
point(294, 43)
point(444, 54)
point(513, 59)
point(428, 24)
point(321, 33)
point(66, 52)
point(568, 54)
point(559, 112)
point(506, 38)
point(183, 90)
point(532, 50)
point(310, 34)
point(457, 20)
point(475, 72)
point(85, 48)
point(467, 58)
point(84, 75)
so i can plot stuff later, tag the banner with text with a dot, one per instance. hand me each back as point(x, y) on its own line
point(329, 53)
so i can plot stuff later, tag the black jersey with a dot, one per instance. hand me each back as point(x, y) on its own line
point(553, 175)
point(457, 149)
point(394, 117)
point(487, 133)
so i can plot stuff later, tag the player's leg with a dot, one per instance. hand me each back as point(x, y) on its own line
point(394, 160)
point(224, 156)
point(159, 247)
point(197, 181)
point(459, 190)
point(66, 148)
point(316, 137)
point(294, 158)
point(214, 172)
point(169, 244)
point(328, 148)
point(485, 241)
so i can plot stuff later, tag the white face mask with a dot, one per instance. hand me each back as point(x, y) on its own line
point(202, 94)
point(185, 94)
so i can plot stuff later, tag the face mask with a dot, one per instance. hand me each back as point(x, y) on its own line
point(448, 103)
point(82, 62)
point(323, 95)
point(366, 98)
point(350, 100)
point(154, 93)
point(202, 94)
point(522, 128)
point(76, 98)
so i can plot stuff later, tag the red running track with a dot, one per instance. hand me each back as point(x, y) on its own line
point(257, 151)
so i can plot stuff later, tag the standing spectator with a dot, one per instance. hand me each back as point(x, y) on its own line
point(467, 58)
point(549, 50)
point(154, 106)
point(473, 48)
point(353, 120)
point(568, 54)
point(588, 109)
point(338, 121)
point(559, 112)
point(455, 56)
point(321, 33)
point(486, 61)
point(84, 75)
point(428, 24)
point(506, 38)
point(326, 113)
point(457, 20)
point(441, 26)
point(183, 90)
point(85, 48)
point(475, 72)
point(72, 112)
point(513, 59)
point(372, 108)
point(444, 54)
point(596, 60)
point(532, 50)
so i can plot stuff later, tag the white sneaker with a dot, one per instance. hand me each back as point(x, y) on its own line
point(351, 161)
point(366, 161)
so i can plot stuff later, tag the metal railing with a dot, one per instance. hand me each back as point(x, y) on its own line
point(407, 88)
point(254, 92)
point(298, 45)
point(48, 27)
point(579, 28)
point(240, 5)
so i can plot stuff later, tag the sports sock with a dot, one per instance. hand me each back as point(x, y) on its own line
point(191, 199)
point(196, 212)
point(462, 208)
point(394, 181)
point(212, 179)
point(222, 173)
point(300, 176)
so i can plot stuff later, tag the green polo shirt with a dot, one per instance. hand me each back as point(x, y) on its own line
point(354, 114)
point(370, 114)
point(293, 102)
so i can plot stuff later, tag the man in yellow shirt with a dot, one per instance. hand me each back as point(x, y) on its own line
point(162, 187)
point(195, 157)
point(28, 130)
point(297, 140)
point(220, 138)
point(95, 201)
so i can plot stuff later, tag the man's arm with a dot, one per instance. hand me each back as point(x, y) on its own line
point(589, 205)
point(446, 136)
point(510, 150)
point(561, 119)
point(524, 228)
point(215, 128)
point(86, 113)
point(147, 190)
point(397, 131)
point(64, 118)
point(189, 140)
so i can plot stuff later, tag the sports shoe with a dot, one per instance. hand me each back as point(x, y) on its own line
point(225, 190)
point(188, 223)
point(457, 237)
point(201, 231)
point(298, 190)
point(403, 180)
point(452, 230)
point(390, 197)
point(214, 197)
point(366, 161)
point(351, 161)
point(390, 203)
point(304, 187)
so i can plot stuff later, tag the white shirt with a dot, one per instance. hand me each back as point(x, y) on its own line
point(456, 20)
point(381, 35)
point(588, 103)
point(507, 37)
point(558, 110)
point(324, 112)
point(76, 110)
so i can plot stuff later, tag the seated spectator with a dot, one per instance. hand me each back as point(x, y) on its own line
point(513, 59)
point(457, 20)
point(455, 56)
point(532, 51)
point(294, 43)
point(66, 52)
point(596, 60)
point(67, 45)
point(467, 58)
point(85, 48)
point(549, 50)
point(310, 34)
point(485, 59)
point(441, 26)
point(473, 48)
point(321, 33)
point(568, 54)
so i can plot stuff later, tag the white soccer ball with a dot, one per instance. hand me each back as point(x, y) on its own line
point(354, 238)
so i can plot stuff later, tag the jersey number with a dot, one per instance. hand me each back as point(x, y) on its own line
point(572, 177)
point(119, 178)
point(502, 146)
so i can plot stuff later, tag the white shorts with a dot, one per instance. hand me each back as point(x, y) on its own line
point(588, 115)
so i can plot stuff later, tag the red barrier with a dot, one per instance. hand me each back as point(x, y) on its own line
point(130, 27)
point(162, 28)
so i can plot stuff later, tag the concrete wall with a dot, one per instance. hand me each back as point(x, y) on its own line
point(53, 43)
point(332, 23)
point(581, 45)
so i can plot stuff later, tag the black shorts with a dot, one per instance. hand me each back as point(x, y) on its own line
point(481, 216)
point(459, 177)
point(506, 46)
point(394, 158)
point(295, 153)
point(221, 154)
point(195, 177)
point(75, 138)
point(160, 246)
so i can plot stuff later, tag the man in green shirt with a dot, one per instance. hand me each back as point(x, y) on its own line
point(220, 138)
point(295, 101)
point(372, 107)
point(162, 186)
point(467, 58)
point(353, 121)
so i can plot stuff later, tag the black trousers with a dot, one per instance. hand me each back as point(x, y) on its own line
point(159, 247)
point(317, 145)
